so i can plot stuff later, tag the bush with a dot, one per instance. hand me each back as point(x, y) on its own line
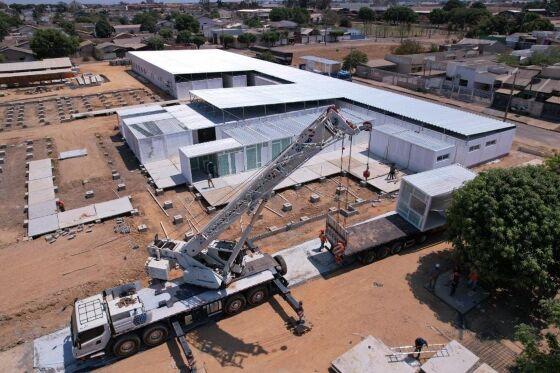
point(409, 46)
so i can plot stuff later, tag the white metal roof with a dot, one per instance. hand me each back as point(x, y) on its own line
point(423, 141)
point(440, 180)
point(49, 63)
point(389, 129)
point(310, 86)
point(325, 61)
point(211, 147)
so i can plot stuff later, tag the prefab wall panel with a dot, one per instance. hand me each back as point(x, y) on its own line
point(157, 76)
point(157, 148)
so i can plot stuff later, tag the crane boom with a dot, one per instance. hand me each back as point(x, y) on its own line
point(200, 257)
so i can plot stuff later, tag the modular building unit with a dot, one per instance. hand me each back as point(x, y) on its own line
point(411, 150)
point(424, 197)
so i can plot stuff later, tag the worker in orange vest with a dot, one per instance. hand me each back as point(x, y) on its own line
point(323, 239)
point(60, 205)
point(338, 251)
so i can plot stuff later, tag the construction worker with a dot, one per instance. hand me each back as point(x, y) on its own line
point(210, 182)
point(419, 343)
point(434, 274)
point(210, 171)
point(392, 172)
point(60, 205)
point(323, 239)
point(338, 251)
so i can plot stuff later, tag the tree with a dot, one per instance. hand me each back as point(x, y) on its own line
point(155, 43)
point(279, 14)
point(438, 16)
point(124, 20)
point(541, 352)
point(247, 39)
point(409, 46)
point(214, 14)
point(183, 37)
point(4, 28)
point(540, 24)
point(553, 163)
point(330, 17)
point(478, 5)
point(336, 34)
point(270, 37)
point(345, 22)
point(226, 40)
point(52, 43)
point(366, 15)
point(354, 59)
point(186, 22)
point(253, 22)
point(400, 14)
point(166, 33)
point(298, 15)
point(506, 224)
point(146, 20)
point(267, 56)
point(68, 27)
point(61, 7)
point(453, 4)
point(198, 41)
point(103, 28)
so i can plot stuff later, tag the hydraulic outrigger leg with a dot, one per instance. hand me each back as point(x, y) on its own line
point(301, 326)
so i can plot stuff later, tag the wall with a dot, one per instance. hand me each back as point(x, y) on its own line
point(157, 76)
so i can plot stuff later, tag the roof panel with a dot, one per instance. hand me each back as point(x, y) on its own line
point(440, 180)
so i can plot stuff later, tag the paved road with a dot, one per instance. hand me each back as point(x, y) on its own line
point(542, 136)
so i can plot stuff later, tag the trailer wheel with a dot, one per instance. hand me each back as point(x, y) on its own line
point(396, 247)
point(367, 257)
point(382, 252)
point(282, 267)
point(422, 238)
point(155, 335)
point(235, 304)
point(257, 296)
point(126, 345)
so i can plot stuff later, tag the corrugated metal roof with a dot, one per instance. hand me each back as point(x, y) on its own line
point(423, 141)
point(322, 60)
point(440, 180)
point(211, 147)
point(156, 127)
point(389, 129)
point(311, 86)
point(49, 63)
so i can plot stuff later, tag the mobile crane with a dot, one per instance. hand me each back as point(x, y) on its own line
point(218, 277)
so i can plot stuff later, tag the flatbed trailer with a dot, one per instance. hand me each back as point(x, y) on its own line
point(375, 238)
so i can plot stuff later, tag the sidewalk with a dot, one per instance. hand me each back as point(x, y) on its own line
point(549, 126)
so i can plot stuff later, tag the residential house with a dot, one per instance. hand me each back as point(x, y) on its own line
point(261, 13)
point(17, 54)
point(131, 29)
point(207, 24)
point(108, 51)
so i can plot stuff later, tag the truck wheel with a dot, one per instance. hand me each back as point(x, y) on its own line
point(282, 268)
point(422, 238)
point(382, 252)
point(155, 335)
point(257, 296)
point(396, 247)
point(126, 345)
point(235, 304)
point(367, 257)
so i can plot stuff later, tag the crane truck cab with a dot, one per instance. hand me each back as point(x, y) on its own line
point(89, 326)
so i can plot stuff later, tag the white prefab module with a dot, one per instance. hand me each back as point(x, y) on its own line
point(424, 197)
point(410, 150)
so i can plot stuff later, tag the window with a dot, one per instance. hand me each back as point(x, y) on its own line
point(491, 142)
point(474, 147)
point(442, 157)
point(253, 154)
point(88, 335)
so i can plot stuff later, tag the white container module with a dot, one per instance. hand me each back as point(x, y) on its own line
point(424, 197)
point(411, 150)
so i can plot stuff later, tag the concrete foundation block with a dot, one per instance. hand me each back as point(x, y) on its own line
point(159, 192)
point(25, 223)
point(189, 235)
point(1, 160)
point(116, 176)
point(314, 198)
point(89, 194)
point(304, 218)
point(168, 205)
point(177, 219)
point(297, 186)
point(29, 156)
point(333, 209)
point(134, 212)
point(2, 153)
point(363, 183)
point(287, 207)
point(121, 186)
point(359, 200)
point(210, 209)
point(348, 211)
point(142, 228)
point(197, 196)
point(272, 228)
point(340, 189)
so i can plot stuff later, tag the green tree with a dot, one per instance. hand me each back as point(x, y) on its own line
point(345, 22)
point(540, 24)
point(226, 40)
point(298, 15)
point(279, 14)
point(336, 34)
point(541, 352)
point(214, 14)
point(366, 14)
point(267, 56)
point(354, 59)
point(253, 22)
point(247, 39)
point(409, 46)
point(155, 43)
point(553, 163)
point(146, 20)
point(506, 224)
point(478, 5)
point(166, 33)
point(4, 29)
point(438, 16)
point(198, 40)
point(183, 37)
point(186, 22)
point(453, 4)
point(103, 28)
point(124, 20)
point(51, 43)
point(270, 37)
point(400, 14)
point(2, 58)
